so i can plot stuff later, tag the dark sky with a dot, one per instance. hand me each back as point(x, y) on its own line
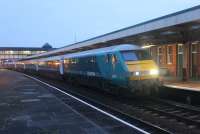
point(62, 22)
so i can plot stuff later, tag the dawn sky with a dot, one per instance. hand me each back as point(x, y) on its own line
point(62, 22)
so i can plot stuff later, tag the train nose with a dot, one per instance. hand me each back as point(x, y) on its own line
point(143, 75)
point(144, 87)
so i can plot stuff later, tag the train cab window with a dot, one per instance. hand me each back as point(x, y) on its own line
point(129, 56)
point(136, 55)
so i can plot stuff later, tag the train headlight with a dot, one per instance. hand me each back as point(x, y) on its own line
point(137, 73)
point(154, 72)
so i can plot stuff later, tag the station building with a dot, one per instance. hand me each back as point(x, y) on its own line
point(178, 61)
point(9, 54)
point(173, 41)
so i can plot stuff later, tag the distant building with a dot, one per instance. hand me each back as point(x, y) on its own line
point(14, 53)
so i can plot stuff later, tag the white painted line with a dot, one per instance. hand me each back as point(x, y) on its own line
point(181, 87)
point(30, 100)
point(104, 112)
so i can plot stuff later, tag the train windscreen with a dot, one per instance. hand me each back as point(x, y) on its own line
point(136, 55)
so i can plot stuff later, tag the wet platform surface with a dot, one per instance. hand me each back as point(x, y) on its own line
point(27, 107)
point(187, 85)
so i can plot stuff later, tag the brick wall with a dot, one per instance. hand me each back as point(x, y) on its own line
point(166, 60)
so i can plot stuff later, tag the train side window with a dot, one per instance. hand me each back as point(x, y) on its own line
point(70, 61)
point(66, 61)
point(114, 59)
point(93, 59)
point(74, 61)
point(107, 58)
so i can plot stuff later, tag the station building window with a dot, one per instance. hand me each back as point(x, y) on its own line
point(9, 52)
point(26, 52)
point(195, 55)
point(160, 56)
point(169, 55)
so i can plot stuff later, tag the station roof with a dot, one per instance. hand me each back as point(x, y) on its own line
point(24, 49)
point(179, 27)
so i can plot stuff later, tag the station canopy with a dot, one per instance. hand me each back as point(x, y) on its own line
point(179, 27)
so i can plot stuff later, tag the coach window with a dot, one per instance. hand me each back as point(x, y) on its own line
point(67, 61)
point(70, 61)
point(76, 60)
point(73, 61)
point(169, 55)
point(54, 64)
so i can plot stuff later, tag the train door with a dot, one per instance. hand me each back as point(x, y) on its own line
point(109, 65)
point(194, 61)
point(114, 65)
point(61, 66)
point(180, 61)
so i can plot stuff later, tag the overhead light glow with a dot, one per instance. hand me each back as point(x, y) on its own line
point(154, 72)
point(147, 46)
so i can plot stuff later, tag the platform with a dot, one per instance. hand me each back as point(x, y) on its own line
point(184, 85)
point(28, 107)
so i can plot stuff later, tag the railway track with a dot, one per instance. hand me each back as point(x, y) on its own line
point(130, 119)
point(152, 115)
point(147, 126)
point(176, 113)
point(183, 113)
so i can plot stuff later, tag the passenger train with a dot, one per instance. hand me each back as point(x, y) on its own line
point(117, 69)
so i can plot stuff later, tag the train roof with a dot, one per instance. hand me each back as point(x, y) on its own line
point(123, 47)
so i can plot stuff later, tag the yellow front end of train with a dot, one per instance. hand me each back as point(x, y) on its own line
point(144, 73)
point(143, 70)
point(144, 78)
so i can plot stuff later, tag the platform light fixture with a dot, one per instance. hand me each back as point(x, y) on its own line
point(147, 46)
point(195, 27)
point(168, 33)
